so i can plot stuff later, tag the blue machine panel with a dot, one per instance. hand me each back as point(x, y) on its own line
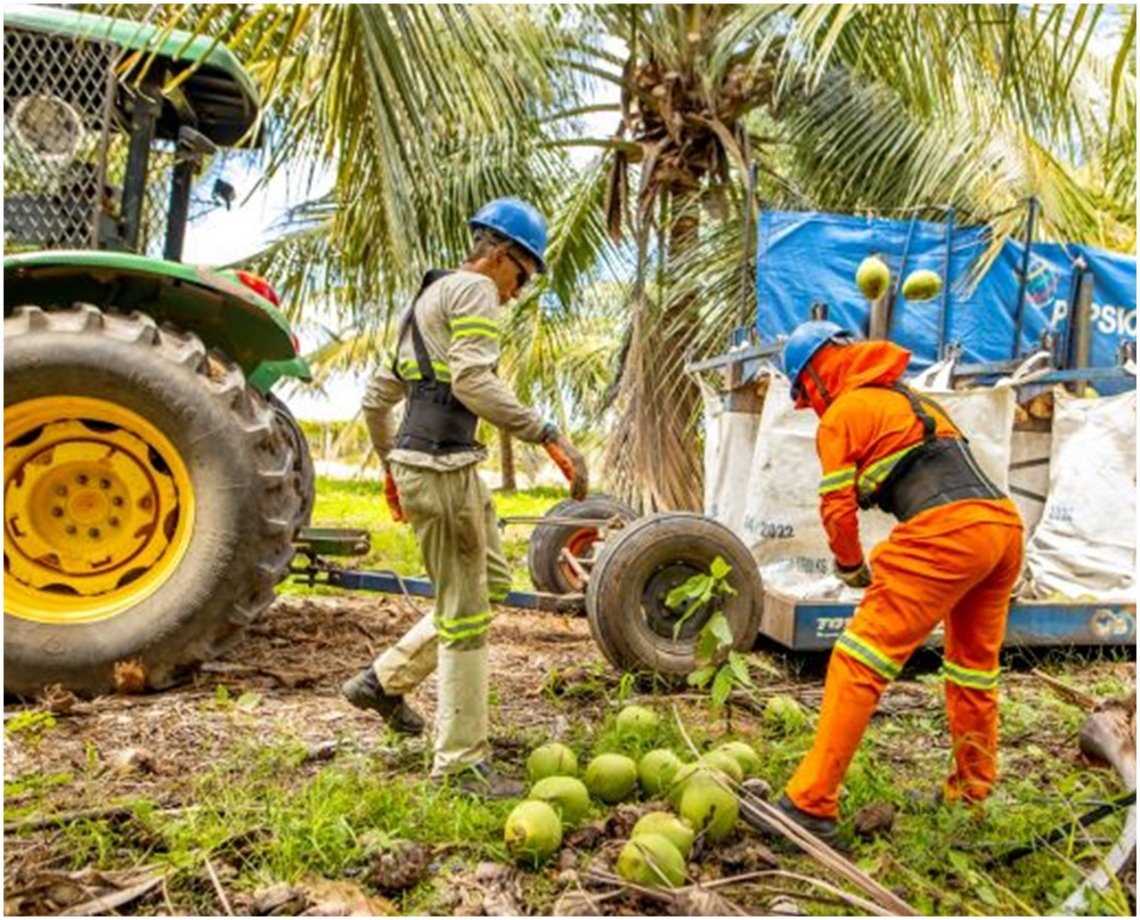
point(1034, 623)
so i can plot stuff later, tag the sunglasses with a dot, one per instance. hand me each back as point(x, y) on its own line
point(523, 276)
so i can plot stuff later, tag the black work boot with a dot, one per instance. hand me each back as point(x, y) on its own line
point(826, 829)
point(483, 781)
point(364, 692)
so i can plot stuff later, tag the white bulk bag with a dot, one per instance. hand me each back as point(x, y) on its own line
point(1085, 544)
point(729, 440)
point(1029, 474)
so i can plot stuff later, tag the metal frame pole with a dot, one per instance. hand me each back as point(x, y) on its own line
point(944, 307)
point(181, 180)
point(1019, 316)
point(144, 118)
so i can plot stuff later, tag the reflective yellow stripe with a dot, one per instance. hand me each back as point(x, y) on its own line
point(863, 651)
point(449, 632)
point(473, 633)
point(484, 617)
point(474, 333)
point(474, 322)
point(970, 677)
point(410, 370)
point(872, 477)
point(840, 479)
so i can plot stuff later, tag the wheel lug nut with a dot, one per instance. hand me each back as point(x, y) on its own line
point(104, 483)
point(114, 522)
point(61, 491)
point(57, 512)
point(117, 501)
point(93, 532)
point(81, 479)
point(70, 528)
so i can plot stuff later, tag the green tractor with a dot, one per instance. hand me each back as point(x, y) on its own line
point(153, 484)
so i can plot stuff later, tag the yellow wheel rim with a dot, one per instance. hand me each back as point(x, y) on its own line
point(98, 509)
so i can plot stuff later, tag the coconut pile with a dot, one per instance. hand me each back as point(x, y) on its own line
point(699, 794)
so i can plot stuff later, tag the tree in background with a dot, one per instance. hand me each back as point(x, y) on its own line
point(424, 112)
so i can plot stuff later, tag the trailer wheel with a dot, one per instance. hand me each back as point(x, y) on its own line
point(625, 600)
point(548, 571)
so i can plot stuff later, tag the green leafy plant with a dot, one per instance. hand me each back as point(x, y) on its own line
point(719, 667)
point(701, 589)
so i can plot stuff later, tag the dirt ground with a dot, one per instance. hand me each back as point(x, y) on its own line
point(295, 661)
point(282, 680)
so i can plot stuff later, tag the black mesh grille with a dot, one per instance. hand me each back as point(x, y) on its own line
point(65, 148)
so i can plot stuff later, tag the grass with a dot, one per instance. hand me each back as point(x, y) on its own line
point(360, 504)
point(263, 810)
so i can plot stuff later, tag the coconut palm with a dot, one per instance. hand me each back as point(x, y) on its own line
point(848, 108)
point(424, 112)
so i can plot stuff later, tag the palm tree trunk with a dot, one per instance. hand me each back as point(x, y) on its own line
point(653, 458)
point(507, 481)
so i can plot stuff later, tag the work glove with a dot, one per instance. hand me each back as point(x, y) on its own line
point(858, 577)
point(392, 496)
point(569, 459)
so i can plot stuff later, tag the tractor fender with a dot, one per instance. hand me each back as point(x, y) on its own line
point(211, 303)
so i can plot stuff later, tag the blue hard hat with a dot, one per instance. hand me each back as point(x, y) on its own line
point(518, 222)
point(806, 339)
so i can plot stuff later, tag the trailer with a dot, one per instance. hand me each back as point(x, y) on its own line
point(630, 567)
point(599, 559)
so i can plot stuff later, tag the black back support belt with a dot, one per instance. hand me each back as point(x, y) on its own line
point(435, 422)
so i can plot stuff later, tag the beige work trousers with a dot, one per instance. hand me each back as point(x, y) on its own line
point(457, 531)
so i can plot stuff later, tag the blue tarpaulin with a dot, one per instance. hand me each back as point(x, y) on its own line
point(804, 257)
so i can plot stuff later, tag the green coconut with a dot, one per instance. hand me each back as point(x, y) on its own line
point(784, 714)
point(922, 284)
point(726, 763)
point(744, 754)
point(652, 859)
point(552, 759)
point(533, 832)
point(668, 826)
point(707, 806)
point(684, 775)
point(568, 795)
point(637, 722)
point(656, 769)
point(873, 277)
point(611, 777)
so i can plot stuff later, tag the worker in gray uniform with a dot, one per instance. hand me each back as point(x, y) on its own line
point(443, 369)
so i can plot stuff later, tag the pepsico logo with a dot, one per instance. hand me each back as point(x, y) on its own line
point(1041, 282)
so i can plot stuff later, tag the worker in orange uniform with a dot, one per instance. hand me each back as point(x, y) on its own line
point(954, 557)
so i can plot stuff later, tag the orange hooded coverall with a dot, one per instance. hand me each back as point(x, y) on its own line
point(956, 562)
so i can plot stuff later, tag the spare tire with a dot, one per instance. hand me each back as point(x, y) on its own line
point(640, 565)
point(548, 571)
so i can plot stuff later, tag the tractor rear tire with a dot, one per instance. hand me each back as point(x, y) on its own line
point(304, 474)
point(548, 571)
point(180, 432)
point(625, 600)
